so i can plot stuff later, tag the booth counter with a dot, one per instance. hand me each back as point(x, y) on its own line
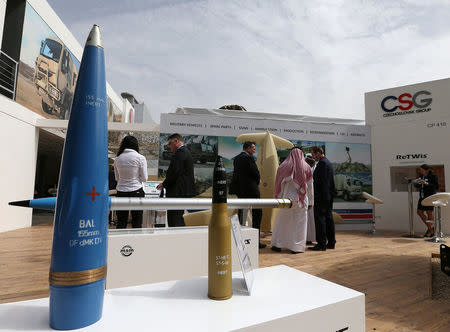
point(148, 255)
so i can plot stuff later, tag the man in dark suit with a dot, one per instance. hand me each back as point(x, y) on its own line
point(245, 182)
point(179, 180)
point(324, 191)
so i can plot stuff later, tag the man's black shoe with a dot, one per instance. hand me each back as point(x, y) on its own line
point(276, 249)
point(262, 245)
point(317, 248)
point(309, 242)
point(330, 245)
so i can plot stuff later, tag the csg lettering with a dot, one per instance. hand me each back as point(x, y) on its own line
point(406, 101)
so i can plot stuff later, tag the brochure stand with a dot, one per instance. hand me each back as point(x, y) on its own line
point(372, 200)
point(244, 258)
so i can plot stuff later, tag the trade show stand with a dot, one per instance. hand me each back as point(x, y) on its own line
point(283, 299)
point(148, 255)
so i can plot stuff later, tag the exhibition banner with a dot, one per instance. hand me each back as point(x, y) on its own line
point(346, 146)
point(48, 71)
point(291, 130)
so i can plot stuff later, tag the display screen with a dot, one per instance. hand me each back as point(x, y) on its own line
point(150, 188)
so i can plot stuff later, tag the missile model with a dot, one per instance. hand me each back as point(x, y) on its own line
point(219, 238)
point(47, 203)
point(145, 203)
point(78, 260)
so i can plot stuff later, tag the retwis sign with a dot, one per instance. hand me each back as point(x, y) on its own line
point(411, 158)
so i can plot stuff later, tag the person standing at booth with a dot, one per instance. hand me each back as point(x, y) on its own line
point(245, 182)
point(179, 181)
point(324, 191)
point(311, 227)
point(427, 184)
point(293, 181)
point(130, 169)
point(112, 183)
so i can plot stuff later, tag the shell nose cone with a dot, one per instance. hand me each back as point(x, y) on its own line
point(94, 38)
point(219, 182)
point(219, 165)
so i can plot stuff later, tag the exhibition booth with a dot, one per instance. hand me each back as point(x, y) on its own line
point(409, 127)
point(181, 253)
point(211, 132)
point(164, 272)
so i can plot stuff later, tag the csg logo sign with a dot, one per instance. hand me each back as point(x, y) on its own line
point(402, 104)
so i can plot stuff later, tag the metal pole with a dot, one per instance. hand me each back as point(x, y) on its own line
point(411, 215)
point(441, 233)
point(437, 223)
point(436, 232)
point(143, 203)
point(411, 211)
point(373, 230)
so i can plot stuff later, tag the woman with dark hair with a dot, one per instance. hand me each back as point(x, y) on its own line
point(130, 169)
point(427, 184)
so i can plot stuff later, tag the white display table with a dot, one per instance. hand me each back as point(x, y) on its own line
point(148, 255)
point(283, 299)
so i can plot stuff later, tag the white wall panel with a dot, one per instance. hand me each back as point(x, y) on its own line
point(403, 134)
point(18, 147)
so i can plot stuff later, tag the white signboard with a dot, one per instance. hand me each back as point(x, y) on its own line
point(291, 130)
point(150, 188)
point(423, 101)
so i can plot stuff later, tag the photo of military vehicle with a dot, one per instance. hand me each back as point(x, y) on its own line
point(352, 176)
point(55, 77)
point(202, 150)
point(348, 187)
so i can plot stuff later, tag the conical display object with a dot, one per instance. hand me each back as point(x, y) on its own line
point(78, 260)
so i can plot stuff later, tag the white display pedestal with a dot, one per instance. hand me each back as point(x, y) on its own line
point(143, 256)
point(283, 299)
